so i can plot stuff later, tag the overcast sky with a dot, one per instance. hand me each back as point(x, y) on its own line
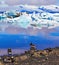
point(32, 2)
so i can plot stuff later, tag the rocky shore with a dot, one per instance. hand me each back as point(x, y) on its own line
point(48, 56)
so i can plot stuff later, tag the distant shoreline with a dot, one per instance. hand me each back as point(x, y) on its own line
point(3, 51)
point(14, 51)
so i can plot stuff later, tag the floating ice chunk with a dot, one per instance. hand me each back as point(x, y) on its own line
point(24, 21)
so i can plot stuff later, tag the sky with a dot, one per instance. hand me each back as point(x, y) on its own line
point(32, 2)
point(6, 4)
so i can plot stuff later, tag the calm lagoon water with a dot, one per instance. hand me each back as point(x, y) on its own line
point(23, 41)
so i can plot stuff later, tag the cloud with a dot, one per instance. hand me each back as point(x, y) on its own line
point(32, 2)
point(3, 4)
point(12, 2)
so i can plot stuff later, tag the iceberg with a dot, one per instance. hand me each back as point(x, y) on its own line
point(41, 16)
